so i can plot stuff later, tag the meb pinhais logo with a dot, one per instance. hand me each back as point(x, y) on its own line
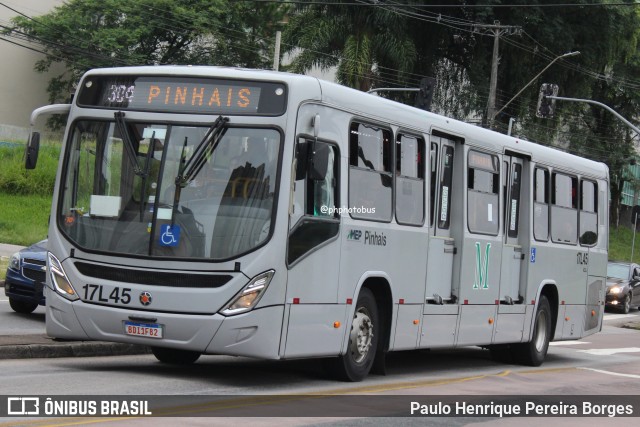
point(354, 235)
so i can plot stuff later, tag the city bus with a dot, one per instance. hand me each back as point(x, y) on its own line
point(223, 211)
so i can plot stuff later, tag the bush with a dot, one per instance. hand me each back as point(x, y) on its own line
point(16, 180)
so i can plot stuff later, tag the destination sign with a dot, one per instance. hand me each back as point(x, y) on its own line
point(183, 95)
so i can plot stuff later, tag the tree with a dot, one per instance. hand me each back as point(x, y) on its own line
point(446, 42)
point(84, 34)
point(370, 46)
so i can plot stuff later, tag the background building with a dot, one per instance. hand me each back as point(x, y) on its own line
point(21, 88)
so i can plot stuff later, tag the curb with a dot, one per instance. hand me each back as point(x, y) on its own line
point(70, 349)
point(632, 325)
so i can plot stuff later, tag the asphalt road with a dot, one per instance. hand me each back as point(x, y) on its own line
point(607, 363)
point(12, 323)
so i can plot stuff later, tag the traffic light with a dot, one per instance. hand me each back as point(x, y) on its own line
point(425, 95)
point(546, 105)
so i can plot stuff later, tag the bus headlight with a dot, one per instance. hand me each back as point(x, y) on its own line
point(59, 278)
point(249, 296)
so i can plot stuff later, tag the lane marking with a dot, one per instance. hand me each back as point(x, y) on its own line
point(560, 343)
point(616, 374)
point(610, 351)
point(618, 316)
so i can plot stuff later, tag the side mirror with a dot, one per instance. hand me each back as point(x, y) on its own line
point(319, 162)
point(31, 151)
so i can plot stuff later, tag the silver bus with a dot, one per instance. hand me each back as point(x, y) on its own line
point(210, 210)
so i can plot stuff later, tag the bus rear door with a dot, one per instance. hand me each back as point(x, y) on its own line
point(441, 309)
point(512, 289)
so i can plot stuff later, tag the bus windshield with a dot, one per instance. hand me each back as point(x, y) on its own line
point(118, 196)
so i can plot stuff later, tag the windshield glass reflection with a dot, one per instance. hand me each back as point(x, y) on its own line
point(112, 204)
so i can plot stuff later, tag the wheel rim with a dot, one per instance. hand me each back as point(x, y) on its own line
point(627, 302)
point(541, 331)
point(361, 336)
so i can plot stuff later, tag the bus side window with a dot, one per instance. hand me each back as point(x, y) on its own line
point(541, 205)
point(445, 188)
point(588, 213)
point(513, 215)
point(409, 180)
point(432, 181)
point(370, 177)
point(483, 193)
point(316, 197)
point(564, 209)
point(322, 193)
point(315, 219)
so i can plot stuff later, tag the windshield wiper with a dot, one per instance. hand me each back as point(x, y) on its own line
point(188, 170)
point(126, 140)
point(202, 153)
point(145, 173)
point(133, 157)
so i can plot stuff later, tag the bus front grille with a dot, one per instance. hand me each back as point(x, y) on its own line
point(152, 277)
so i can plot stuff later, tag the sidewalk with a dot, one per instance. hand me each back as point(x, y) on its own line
point(41, 346)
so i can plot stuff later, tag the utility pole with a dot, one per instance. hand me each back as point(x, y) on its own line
point(276, 53)
point(496, 30)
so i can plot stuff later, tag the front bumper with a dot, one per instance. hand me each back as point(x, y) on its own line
point(254, 334)
point(23, 289)
point(615, 300)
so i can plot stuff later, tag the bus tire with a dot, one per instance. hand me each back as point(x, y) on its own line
point(364, 333)
point(174, 356)
point(532, 353)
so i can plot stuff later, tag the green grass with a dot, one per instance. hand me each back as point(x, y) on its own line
point(620, 243)
point(25, 195)
point(15, 179)
point(24, 218)
point(4, 263)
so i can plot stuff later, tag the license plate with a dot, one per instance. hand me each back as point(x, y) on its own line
point(149, 330)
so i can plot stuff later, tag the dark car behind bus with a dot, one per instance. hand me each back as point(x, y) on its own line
point(26, 276)
point(623, 286)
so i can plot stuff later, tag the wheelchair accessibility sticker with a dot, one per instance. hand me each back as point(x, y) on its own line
point(169, 236)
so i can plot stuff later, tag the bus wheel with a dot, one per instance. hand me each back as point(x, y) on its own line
point(173, 356)
point(533, 352)
point(356, 363)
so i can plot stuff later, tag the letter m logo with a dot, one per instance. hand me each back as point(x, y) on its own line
point(482, 267)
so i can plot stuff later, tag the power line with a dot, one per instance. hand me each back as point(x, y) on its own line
point(377, 3)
